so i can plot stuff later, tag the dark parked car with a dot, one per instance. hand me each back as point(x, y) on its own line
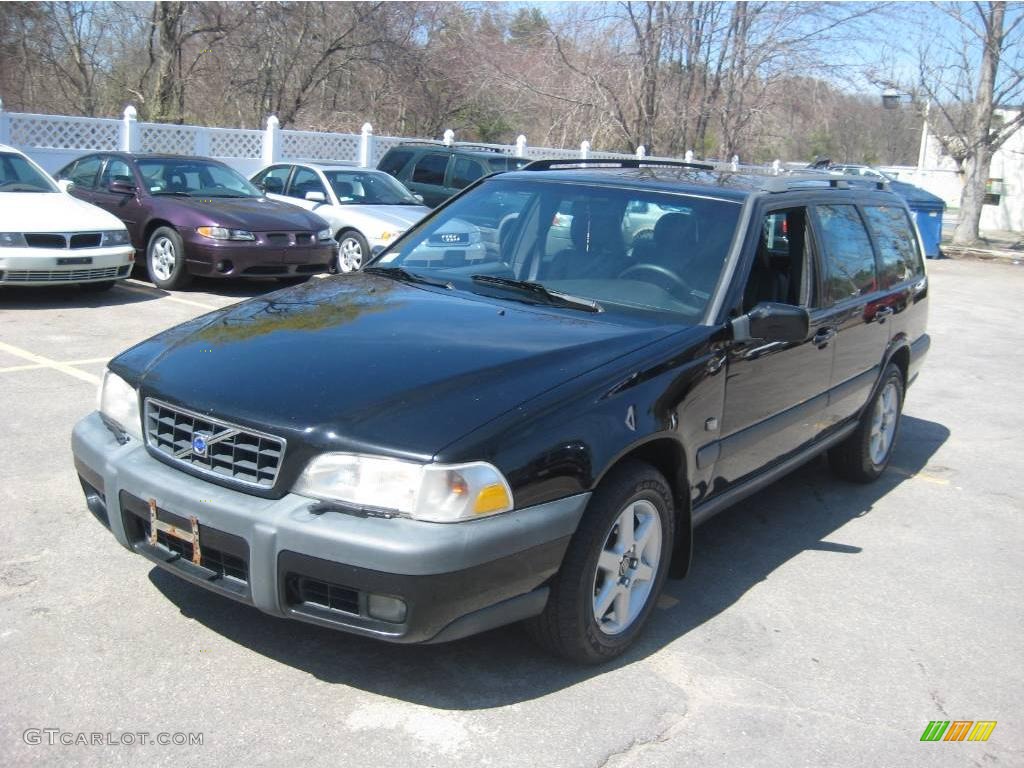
point(194, 216)
point(435, 171)
point(490, 424)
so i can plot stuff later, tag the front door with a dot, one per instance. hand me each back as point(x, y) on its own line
point(123, 205)
point(776, 393)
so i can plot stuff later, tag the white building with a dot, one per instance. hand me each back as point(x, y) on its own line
point(936, 172)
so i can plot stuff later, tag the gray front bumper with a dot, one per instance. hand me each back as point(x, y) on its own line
point(455, 578)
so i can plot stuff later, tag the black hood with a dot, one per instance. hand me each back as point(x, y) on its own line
point(366, 363)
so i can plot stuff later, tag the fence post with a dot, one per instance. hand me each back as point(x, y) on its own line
point(520, 146)
point(584, 149)
point(366, 146)
point(735, 162)
point(271, 140)
point(641, 152)
point(776, 166)
point(202, 145)
point(130, 130)
point(688, 157)
point(449, 137)
point(5, 125)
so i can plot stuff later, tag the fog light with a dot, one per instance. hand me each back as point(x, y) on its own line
point(391, 609)
point(224, 265)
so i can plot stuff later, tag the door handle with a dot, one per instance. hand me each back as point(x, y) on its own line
point(883, 313)
point(823, 337)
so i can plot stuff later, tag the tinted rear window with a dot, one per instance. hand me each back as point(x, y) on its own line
point(897, 243)
point(849, 258)
point(430, 169)
point(394, 162)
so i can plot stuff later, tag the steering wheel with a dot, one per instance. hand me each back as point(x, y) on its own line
point(660, 270)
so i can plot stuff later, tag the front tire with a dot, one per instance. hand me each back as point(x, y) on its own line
point(165, 259)
point(613, 570)
point(353, 251)
point(864, 455)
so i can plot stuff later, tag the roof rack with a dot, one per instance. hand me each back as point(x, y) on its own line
point(625, 162)
point(455, 144)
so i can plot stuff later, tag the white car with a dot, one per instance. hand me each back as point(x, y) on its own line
point(48, 237)
point(367, 209)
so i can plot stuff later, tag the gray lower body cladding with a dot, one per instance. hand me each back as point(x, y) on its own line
point(290, 558)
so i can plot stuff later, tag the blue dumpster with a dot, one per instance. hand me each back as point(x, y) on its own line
point(927, 209)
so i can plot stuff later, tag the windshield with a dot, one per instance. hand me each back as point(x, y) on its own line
point(19, 175)
point(616, 247)
point(193, 178)
point(366, 188)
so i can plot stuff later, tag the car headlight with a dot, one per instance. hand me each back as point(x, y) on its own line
point(223, 233)
point(118, 404)
point(439, 493)
point(115, 237)
point(12, 240)
point(324, 234)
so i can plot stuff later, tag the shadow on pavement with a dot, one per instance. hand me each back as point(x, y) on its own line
point(733, 552)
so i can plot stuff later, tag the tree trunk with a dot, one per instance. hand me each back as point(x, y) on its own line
point(978, 162)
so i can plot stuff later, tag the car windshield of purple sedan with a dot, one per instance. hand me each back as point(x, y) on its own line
point(188, 177)
point(369, 188)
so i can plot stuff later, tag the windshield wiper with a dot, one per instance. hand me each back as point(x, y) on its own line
point(398, 273)
point(539, 292)
point(174, 193)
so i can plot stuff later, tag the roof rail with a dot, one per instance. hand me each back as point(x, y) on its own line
point(455, 144)
point(625, 162)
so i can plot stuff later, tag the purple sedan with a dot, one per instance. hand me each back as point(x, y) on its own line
point(194, 216)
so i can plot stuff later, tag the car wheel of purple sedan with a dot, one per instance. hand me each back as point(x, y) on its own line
point(352, 251)
point(165, 257)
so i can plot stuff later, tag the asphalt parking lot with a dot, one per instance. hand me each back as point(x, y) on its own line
point(823, 624)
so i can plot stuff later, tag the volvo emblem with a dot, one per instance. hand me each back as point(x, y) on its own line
point(200, 443)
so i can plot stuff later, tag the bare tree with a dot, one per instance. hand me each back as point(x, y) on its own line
point(967, 74)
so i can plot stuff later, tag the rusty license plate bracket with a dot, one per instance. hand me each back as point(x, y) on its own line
point(156, 525)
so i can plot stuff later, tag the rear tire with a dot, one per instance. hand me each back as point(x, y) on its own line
point(165, 259)
point(611, 576)
point(100, 287)
point(864, 455)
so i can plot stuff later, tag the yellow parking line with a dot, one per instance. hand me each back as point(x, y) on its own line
point(928, 478)
point(45, 362)
point(36, 366)
point(150, 291)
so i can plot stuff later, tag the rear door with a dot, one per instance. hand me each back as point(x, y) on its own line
point(428, 178)
point(857, 301)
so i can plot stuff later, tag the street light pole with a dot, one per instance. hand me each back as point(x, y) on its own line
point(922, 155)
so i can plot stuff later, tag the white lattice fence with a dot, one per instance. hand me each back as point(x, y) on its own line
point(168, 139)
point(537, 153)
point(308, 145)
point(235, 142)
point(56, 132)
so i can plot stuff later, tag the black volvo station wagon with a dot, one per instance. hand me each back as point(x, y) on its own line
point(522, 408)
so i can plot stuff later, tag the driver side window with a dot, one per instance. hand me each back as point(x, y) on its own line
point(782, 270)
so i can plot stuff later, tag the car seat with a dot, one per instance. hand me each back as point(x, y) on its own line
point(597, 247)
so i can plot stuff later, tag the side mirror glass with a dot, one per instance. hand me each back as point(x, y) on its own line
point(65, 185)
point(121, 187)
point(316, 197)
point(771, 322)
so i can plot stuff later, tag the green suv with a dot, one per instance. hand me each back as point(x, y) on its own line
point(435, 171)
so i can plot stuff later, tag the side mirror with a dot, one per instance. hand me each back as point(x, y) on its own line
point(419, 198)
point(772, 322)
point(121, 187)
point(316, 197)
point(65, 185)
